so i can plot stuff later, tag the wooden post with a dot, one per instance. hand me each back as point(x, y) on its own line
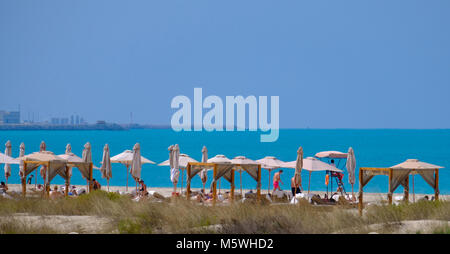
point(240, 177)
point(406, 190)
point(47, 188)
point(258, 189)
point(91, 166)
point(309, 182)
point(389, 192)
point(436, 189)
point(127, 179)
point(414, 191)
point(215, 184)
point(232, 185)
point(67, 182)
point(188, 182)
point(24, 183)
point(361, 190)
point(181, 193)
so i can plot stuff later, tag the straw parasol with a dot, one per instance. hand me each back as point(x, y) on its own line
point(174, 173)
point(126, 158)
point(417, 167)
point(87, 157)
point(5, 159)
point(203, 173)
point(176, 162)
point(106, 168)
point(351, 165)
point(183, 160)
point(331, 154)
point(136, 164)
point(270, 163)
point(242, 160)
point(221, 159)
point(312, 164)
point(21, 154)
point(298, 168)
point(8, 152)
point(73, 161)
point(42, 148)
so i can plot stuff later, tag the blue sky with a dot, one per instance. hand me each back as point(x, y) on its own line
point(334, 64)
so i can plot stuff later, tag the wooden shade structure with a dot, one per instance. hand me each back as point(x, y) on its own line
point(398, 176)
point(51, 162)
point(215, 166)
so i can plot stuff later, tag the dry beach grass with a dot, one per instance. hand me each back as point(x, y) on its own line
point(103, 212)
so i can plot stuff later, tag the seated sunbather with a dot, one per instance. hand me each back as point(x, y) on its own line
point(3, 187)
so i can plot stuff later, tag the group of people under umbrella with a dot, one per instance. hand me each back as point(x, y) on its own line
point(52, 165)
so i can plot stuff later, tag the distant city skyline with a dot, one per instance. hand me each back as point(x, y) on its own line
point(333, 64)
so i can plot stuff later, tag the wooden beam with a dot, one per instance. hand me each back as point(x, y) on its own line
point(24, 183)
point(406, 191)
point(91, 166)
point(202, 164)
point(389, 191)
point(361, 190)
point(214, 185)
point(188, 185)
point(232, 186)
point(376, 169)
point(258, 189)
point(47, 182)
point(436, 189)
point(67, 181)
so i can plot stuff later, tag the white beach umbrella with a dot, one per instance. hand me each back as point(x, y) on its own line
point(174, 173)
point(68, 149)
point(106, 167)
point(126, 158)
point(312, 164)
point(5, 159)
point(21, 154)
point(242, 160)
point(87, 157)
point(351, 165)
point(43, 170)
point(331, 154)
point(270, 163)
point(184, 159)
point(220, 158)
point(298, 168)
point(136, 164)
point(8, 152)
point(423, 168)
point(203, 173)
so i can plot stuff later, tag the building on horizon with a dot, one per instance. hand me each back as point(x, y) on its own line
point(9, 117)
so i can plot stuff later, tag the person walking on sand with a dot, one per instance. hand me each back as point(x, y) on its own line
point(277, 180)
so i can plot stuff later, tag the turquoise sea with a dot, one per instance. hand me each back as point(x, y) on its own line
point(373, 148)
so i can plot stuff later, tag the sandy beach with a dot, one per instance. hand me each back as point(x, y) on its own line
point(167, 192)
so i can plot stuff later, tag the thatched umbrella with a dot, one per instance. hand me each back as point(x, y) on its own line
point(351, 165)
point(106, 168)
point(126, 158)
point(8, 152)
point(204, 172)
point(270, 163)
